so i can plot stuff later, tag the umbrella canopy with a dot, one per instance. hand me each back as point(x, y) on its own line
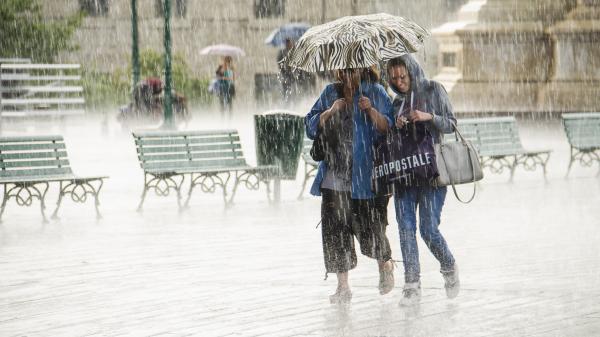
point(222, 50)
point(355, 42)
point(292, 31)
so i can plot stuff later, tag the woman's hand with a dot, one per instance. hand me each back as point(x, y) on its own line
point(401, 121)
point(338, 105)
point(364, 103)
point(419, 116)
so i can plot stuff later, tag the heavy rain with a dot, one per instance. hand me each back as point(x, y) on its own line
point(300, 168)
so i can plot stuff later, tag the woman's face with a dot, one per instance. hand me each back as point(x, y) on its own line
point(400, 78)
point(350, 77)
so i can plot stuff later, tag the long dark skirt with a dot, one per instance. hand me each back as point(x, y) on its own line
point(344, 218)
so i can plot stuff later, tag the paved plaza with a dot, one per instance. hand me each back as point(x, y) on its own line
point(528, 251)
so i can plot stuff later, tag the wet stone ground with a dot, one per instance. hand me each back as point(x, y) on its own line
point(528, 251)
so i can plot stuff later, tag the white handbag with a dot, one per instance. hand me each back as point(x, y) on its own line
point(457, 163)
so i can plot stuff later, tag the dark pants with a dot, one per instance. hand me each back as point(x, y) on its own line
point(226, 94)
point(342, 219)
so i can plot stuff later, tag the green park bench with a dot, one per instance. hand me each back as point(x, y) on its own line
point(40, 90)
point(310, 166)
point(30, 163)
point(583, 132)
point(497, 141)
point(210, 158)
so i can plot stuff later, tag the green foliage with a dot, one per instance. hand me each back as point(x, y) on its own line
point(25, 34)
point(103, 89)
point(195, 89)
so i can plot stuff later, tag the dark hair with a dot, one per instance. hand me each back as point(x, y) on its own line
point(396, 62)
point(369, 74)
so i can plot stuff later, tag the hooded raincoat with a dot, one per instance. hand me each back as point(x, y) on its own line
point(428, 96)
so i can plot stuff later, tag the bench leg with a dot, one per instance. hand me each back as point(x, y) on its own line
point(61, 193)
point(308, 172)
point(234, 189)
point(79, 190)
point(512, 169)
point(250, 179)
point(162, 185)
point(189, 195)
point(43, 202)
point(97, 200)
point(572, 158)
point(544, 165)
point(4, 200)
point(208, 184)
point(144, 192)
point(24, 194)
point(304, 182)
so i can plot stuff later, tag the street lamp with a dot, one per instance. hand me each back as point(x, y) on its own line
point(135, 51)
point(168, 109)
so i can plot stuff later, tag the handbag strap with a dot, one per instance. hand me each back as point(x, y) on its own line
point(470, 162)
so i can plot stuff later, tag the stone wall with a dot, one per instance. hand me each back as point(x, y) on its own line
point(105, 41)
point(511, 56)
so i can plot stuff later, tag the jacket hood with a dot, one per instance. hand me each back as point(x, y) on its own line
point(418, 82)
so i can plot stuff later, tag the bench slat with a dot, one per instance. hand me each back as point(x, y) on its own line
point(33, 155)
point(34, 163)
point(184, 156)
point(53, 89)
point(40, 113)
point(32, 146)
point(163, 134)
point(35, 172)
point(30, 101)
point(581, 115)
point(18, 139)
point(195, 164)
point(196, 148)
point(39, 78)
point(53, 66)
point(191, 140)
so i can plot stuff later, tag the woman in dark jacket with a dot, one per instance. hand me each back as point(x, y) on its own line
point(431, 108)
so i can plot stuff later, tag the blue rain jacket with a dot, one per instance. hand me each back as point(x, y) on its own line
point(365, 135)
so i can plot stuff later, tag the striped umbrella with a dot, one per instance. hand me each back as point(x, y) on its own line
point(355, 42)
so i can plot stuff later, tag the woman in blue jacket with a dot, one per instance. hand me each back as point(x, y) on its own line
point(351, 116)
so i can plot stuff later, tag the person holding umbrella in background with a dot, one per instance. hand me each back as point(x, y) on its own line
point(225, 73)
point(286, 74)
point(226, 84)
point(293, 81)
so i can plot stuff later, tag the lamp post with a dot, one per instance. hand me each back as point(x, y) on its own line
point(168, 109)
point(135, 51)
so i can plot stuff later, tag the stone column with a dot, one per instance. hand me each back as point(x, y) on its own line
point(496, 58)
point(575, 79)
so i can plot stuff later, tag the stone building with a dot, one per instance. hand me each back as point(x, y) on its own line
point(105, 36)
point(515, 56)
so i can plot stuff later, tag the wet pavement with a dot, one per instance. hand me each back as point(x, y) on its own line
point(528, 251)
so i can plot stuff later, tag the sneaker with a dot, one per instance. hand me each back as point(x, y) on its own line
point(386, 278)
point(451, 282)
point(411, 294)
point(341, 297)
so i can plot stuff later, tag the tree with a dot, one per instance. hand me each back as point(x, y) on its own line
point(25, 34)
